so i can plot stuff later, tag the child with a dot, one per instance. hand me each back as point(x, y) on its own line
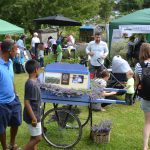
point(130, 88)
point(41, 54)
point(83, 61)
point(32, 105)
point(59, 51)
point(102, 79)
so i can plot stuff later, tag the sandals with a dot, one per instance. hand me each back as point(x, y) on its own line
point(15, 147)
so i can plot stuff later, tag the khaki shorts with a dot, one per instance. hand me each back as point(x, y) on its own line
point(35, 131)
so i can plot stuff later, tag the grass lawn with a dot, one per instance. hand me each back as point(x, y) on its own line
point(126, 131)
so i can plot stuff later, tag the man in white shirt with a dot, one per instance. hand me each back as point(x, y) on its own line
point(97, 49)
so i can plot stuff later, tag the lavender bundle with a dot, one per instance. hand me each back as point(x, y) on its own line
point(59, 91)
point(94, 92)
point(103, 127)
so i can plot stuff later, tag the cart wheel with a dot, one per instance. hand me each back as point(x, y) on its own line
point(79, 111)
point(61, 128)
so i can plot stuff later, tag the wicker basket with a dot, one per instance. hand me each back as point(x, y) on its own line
point(100, 138)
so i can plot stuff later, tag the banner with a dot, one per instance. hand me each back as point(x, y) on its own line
point(134, 28)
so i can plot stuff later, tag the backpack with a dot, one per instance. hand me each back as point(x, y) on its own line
point(144, 92)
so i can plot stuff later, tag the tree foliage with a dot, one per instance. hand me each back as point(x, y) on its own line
point(105, 9)
point(22, 12)
point(128, 5)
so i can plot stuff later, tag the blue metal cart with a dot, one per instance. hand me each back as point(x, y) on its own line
point(61, 126)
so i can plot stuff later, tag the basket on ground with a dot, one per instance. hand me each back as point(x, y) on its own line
point(100, 138)
point(101, 133)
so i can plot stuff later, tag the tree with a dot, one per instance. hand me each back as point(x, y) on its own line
point(139, 3)
point(105, 9)
point(22, 12)
point(128, 5)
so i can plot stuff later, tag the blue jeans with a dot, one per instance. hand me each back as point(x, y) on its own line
point(41, 62)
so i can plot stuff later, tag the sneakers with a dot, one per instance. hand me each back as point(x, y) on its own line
point(102, 109)
point(15, 147)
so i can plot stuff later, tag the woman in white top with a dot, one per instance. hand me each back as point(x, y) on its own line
point(144, 57)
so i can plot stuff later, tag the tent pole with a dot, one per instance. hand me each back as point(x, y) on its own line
point(110, 38)
point(57, 32)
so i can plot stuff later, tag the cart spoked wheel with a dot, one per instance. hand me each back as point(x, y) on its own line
point(61, 128)
point(79, 111)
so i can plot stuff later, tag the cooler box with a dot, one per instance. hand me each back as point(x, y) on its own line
point(67, 75)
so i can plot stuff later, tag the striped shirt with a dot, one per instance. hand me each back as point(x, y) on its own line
point(138, 68)
point(102, 82)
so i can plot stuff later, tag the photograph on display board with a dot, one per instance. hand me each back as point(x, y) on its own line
point(65, 78)
point(53, 78)
point(77, 79)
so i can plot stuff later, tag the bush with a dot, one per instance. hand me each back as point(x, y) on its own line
point(80, 49)
point(48, 59)
point(71, 60)
point(80, 52)
point(65, 54)
point(119, 48)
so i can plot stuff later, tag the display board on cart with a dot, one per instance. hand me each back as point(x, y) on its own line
point(66, 75)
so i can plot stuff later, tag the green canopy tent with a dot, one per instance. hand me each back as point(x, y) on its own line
point(140, 17)
point(8, 28)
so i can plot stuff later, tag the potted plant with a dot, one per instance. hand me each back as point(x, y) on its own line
point(101, 133)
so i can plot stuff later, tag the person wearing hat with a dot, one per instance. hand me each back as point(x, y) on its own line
point(34, 43)
point(10, 106)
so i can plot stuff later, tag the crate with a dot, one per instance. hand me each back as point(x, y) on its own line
point(100, 138)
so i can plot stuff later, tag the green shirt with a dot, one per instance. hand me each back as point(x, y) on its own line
point(59, 49)
point(59, 53)
point(130, 86)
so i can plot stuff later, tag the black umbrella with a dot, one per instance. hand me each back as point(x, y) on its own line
point(57, 20)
